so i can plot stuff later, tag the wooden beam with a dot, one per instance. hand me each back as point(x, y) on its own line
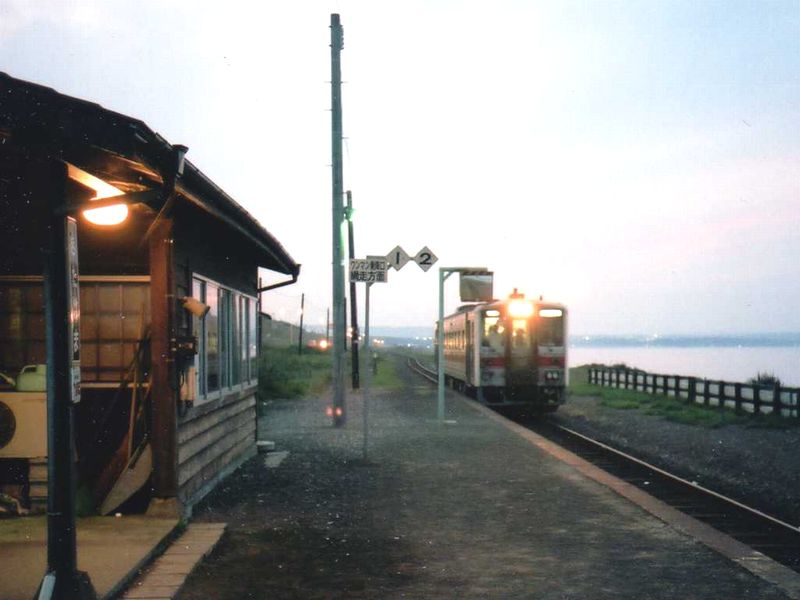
point(163, 431)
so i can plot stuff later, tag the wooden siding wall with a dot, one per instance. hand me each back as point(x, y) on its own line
point(215, 436)
point(213, 439)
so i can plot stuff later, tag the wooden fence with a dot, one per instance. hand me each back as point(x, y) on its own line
point(742, 397)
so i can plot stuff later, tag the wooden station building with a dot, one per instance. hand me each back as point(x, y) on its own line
point(169, 300)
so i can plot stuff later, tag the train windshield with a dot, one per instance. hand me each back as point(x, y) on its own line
point(551, 327)
point(493, 330)
point(520, 334)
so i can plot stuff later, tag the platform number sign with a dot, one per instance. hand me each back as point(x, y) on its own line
point(425, 258)
point(397, 258)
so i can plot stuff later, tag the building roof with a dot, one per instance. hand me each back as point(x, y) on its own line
point(126, 153)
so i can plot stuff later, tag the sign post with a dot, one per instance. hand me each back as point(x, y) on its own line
point(374, 269)
point(371, 270)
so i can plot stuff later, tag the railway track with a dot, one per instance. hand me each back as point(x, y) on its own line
point(764, 533)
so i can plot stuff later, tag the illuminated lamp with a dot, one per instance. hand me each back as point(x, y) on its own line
point(520, 309)
point(107, 215)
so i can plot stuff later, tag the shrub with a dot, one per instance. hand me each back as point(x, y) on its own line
point(765, 378)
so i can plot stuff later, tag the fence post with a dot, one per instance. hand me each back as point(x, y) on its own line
point(777, 404)
point(737, 398)
point(756, 399)
point(706, 392)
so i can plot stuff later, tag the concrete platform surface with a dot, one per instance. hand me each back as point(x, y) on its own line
point(472, 508)
point(110, 549)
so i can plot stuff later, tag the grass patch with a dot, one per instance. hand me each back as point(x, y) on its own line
point(285, 374)
point(385, 377)
point(677, 410)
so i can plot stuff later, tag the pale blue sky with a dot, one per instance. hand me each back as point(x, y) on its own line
point(639, 161)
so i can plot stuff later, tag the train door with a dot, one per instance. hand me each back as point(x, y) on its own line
point(521, 372)
point(470, 348)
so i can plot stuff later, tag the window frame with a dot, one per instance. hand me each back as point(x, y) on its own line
point(233, 343)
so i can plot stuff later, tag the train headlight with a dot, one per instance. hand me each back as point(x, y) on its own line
point(520, 309)
point(552, 375)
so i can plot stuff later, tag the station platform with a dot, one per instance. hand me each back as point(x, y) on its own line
point(473, 507)
point(111, 550)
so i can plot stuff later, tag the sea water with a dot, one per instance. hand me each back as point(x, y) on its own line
point(726, 363)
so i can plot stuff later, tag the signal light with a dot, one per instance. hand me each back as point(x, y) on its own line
point(338, 411)
point(329, 411)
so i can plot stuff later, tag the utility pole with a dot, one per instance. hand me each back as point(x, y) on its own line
point(337, 218)
point(302, 312)
point(353, 306)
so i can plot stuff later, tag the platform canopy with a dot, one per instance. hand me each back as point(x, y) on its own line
point(125, 153)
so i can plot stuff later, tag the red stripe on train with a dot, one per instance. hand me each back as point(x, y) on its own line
point(551, 361)
point(493, 361)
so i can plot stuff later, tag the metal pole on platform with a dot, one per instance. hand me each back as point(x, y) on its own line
point(302, 314)
point(368, 373)
point(353, 305)
point(62, 581)
point(443, 274)
point(337, 222)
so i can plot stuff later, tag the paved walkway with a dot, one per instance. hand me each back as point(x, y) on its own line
point(163, 579)
point(110, 550)
point(475, 509)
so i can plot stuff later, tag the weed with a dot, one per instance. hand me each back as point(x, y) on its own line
point(677, 410)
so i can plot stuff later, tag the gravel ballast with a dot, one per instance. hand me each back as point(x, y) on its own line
point(755, 465)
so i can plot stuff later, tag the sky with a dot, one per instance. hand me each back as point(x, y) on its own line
point(638, 161)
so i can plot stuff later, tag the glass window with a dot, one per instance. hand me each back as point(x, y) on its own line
point(199, 331)
point(493, 331)
point(252, 354)
point(244, 315)
point(551, 329)
point(227, 346)
point(225, 337)
point(520, 337)
point(236, 340)
point(212, 339)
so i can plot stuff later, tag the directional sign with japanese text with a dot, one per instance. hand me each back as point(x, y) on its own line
point(372, 269)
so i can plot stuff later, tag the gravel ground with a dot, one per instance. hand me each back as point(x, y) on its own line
point(316, 520)
point(757, 466)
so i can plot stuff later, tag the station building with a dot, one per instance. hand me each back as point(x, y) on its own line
point(169, 305)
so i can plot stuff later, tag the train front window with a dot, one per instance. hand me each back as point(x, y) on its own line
point(520, 336)
point(493, 330)
point(551, 327)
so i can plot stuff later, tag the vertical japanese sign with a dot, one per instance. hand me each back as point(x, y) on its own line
point(74, 302)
